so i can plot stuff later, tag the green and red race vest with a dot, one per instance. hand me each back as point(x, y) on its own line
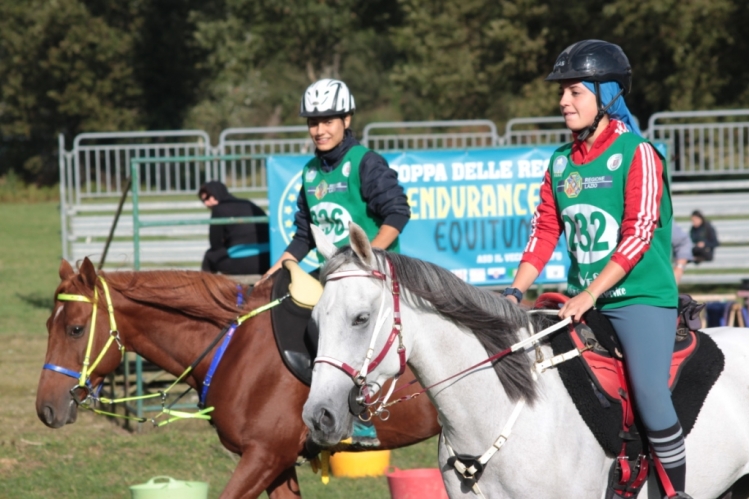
point(590, 201)
point(335, 199)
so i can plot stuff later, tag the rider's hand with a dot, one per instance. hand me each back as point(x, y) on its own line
point(286, 256)
point(271, 271)
point(577, 306)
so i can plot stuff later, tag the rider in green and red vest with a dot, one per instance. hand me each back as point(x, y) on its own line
point(607, 192)
point(344, 182)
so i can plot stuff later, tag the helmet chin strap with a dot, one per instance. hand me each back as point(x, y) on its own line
point(587, 131)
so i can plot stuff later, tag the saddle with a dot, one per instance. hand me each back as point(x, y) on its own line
point(296, 336)
point(597, 383)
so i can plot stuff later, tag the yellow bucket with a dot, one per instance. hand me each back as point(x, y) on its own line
point(358, 464)
point(164, 487)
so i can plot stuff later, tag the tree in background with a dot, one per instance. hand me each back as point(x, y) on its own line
point(678, 68)
point(73, 66)
point(264, 53)
point(62, 70)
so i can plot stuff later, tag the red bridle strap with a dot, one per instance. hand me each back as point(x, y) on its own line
point(395, 332)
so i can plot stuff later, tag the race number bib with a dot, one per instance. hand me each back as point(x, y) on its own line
point(591, 233)
point(333, 219)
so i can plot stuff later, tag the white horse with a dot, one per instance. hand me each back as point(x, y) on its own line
point(445, 326)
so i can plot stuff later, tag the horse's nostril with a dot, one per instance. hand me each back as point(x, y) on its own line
point(327, 421)
point(49, 415)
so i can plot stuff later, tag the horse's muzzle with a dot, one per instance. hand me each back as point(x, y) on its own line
point(325, 428)
point(55, 418)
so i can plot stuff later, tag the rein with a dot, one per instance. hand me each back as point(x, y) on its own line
point(521, 345)
point(84, 395)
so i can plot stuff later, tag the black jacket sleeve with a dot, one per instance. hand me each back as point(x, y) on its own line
point(382, 192)
point(303, 241)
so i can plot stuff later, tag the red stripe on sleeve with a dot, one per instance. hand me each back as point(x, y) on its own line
point(546, 227)
point(642, 198)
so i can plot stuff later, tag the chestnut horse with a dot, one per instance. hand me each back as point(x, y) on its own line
point(170, 318)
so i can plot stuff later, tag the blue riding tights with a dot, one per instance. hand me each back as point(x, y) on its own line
point(647, 335)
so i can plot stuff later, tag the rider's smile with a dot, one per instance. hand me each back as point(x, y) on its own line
point(327, 132)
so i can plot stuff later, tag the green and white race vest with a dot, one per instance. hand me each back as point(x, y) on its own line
point(335, 199)
point(590, 201)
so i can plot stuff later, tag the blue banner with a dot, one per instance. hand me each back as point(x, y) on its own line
point(470, 210)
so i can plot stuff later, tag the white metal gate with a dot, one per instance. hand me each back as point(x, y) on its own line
point(248, 175)
point(456, 134)
point(704, 142)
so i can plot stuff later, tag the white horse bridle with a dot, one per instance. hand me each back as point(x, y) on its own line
point(359, 377)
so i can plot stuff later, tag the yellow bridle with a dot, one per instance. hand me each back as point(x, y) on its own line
point(114, 334)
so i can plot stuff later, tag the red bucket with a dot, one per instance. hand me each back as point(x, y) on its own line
point(424, 483)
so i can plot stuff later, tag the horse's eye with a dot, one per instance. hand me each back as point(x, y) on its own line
point(360, 319)
point(75, 331)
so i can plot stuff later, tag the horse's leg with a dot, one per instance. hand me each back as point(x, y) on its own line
point(285, 486)
point(257, 470)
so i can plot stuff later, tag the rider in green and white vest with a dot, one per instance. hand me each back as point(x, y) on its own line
point(344, 181)
point(607, 193)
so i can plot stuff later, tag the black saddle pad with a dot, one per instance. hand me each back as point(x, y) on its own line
point(604, 417)
point(295, 335)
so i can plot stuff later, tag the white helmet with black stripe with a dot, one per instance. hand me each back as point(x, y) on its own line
point(327, 98)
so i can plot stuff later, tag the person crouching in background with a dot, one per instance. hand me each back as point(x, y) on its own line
point(236, 249)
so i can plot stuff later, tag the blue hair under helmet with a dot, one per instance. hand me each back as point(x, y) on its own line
point(618, 110)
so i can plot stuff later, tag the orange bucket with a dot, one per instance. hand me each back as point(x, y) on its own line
point(358, 464)
point(423, 483)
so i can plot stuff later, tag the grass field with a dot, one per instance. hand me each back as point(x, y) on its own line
point(94, 458)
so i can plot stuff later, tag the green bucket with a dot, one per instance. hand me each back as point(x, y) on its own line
point(164, 487)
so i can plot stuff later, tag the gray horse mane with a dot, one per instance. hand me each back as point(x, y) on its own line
point(494, 320)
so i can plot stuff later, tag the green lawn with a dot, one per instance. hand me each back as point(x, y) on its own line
point(94, 458)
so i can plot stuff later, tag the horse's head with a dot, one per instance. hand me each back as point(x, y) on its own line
point(355, 319)
point(69, 329)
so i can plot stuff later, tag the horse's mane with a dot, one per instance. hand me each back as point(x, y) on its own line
point(201, 295)
point(494, 320)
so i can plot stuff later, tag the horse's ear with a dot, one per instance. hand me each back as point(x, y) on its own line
point(360, 244)
point(66, 270)
point(88, 272)
point(324, 247)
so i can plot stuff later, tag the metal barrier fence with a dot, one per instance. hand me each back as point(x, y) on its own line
point(543, 130)
point(421, 135)
point(100, 169)
point(704, 142)
point(248, 174)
